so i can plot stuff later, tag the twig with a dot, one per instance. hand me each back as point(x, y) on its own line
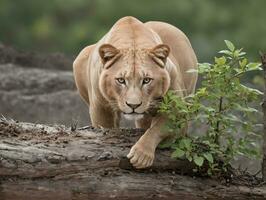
point(218, 122)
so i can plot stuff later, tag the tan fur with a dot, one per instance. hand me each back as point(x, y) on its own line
point(127, 71)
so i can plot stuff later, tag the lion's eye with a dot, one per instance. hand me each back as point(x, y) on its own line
point(121, 80)
point(147, 80)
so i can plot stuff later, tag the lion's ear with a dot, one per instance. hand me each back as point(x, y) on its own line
point(159, 54)
point(109, 54)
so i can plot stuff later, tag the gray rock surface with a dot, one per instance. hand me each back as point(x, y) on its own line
point(40, 95)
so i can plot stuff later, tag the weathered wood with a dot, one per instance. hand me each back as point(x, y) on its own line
point(43, 162)
point(263, 61)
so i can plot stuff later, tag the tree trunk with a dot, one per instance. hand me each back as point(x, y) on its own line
point(263, 61)
point(43, 162)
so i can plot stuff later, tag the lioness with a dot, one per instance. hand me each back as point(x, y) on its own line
point(128, 71)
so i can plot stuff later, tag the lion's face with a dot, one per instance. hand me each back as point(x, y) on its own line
point(133, 80)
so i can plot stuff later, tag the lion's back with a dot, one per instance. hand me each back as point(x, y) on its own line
point(182, 53)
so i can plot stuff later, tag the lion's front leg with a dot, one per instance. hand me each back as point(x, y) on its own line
point(144, 123)
point(104, 117)
point(142, 153)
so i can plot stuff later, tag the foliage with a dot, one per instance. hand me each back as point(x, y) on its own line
point(220, 108)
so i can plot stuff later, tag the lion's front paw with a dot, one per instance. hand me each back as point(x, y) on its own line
point(141, 156)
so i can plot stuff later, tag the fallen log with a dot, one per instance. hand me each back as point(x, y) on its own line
point(44, 162)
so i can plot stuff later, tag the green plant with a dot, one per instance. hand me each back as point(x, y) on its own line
point(220, 108)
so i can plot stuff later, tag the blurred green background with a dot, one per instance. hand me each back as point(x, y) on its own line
point(69, 25)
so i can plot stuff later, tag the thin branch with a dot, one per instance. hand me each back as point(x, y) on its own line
point(218, 122)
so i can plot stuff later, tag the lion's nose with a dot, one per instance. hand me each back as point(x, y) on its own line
point(132, 105)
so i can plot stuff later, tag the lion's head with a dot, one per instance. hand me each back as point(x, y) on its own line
point(133, 80)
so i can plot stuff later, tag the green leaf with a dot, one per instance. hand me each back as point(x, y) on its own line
point(243, 62)
point(249, 109)
point(165, 145)
point(198, 160)
point(254, 66)
point(252, 90)
point(236, 53)
point(220, 61)
point(204, 67)
point(189, 158)
point(178, 153)
point(229, 45)
point(233, 118)
point(226, 52)
point(187, 143)
point(209, 109)
point(208, 157)
point(242, 54)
